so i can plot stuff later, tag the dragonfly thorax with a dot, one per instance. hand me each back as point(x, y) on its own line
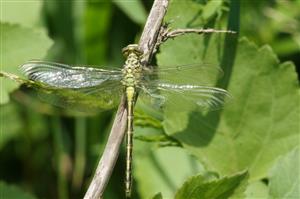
point(132, 69)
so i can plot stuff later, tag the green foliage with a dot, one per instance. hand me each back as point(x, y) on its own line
point(157, 196)
point(13, 123)
point(274, 23)
point(198, 187)
point(256, 189)
point(20, 44)
point(284, 176)
point(250, 131)
point(26, 13)
point(247, 150)
point(160, 176)
point(139, 15)
point(13, 192)
point(256, 86)
point(91, 33)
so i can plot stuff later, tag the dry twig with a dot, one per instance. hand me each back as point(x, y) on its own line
point(167, 33)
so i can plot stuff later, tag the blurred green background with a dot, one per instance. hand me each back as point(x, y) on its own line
point(47, 152)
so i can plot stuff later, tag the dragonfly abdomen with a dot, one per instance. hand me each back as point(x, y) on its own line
point(132, 73)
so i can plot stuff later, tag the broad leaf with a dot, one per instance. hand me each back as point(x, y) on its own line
point(258, 126)
point(199, 188)
point(19, 44)
point(285, 177)
point(256, 189)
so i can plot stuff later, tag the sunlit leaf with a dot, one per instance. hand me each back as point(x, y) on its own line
point(19, 44)
point(256, 189)
point(198, 187)
point(22, 12)
point(258, 126)
point(285, 176)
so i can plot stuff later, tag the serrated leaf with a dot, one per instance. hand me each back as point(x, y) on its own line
point(251, 131)
point(285, 177)
point(258, 126)
point(13, 192)
point(134, 10)
point(19, 44)
point(199, 188)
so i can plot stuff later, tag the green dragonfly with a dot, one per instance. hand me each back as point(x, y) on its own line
point(90, 88)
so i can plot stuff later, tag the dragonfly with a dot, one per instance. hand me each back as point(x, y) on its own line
point(101, 89)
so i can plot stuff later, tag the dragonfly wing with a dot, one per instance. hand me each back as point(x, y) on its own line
point(187, 85)
point(65, 76)
point(79, 88)
point(89, 100)
point(184, 96)
point(199, 74)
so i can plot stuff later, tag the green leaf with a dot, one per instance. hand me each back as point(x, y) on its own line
point(13, 192)
point(22, 12)
point(251, 131)
point(261, 122)
point(285, 176)
point(156, 169)
point(211, 9)
point(134, 10)
point(178, 16)
point(13, 125)
point(93, 45)
point(19, 44)
point(198, 187)
point(257, 189)
point(157, 196)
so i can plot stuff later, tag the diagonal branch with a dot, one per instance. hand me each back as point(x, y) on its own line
point(107, 162)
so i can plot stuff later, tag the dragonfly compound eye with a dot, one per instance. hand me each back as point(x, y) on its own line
point(132, 48)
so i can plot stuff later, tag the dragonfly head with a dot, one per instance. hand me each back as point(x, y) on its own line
point(132, 48)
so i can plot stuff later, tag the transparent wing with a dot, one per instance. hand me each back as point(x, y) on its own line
point(78, 88)
point(182, 96)
point(65, 76)
point(184, 86)
point(93, 99)
point(199, 74)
